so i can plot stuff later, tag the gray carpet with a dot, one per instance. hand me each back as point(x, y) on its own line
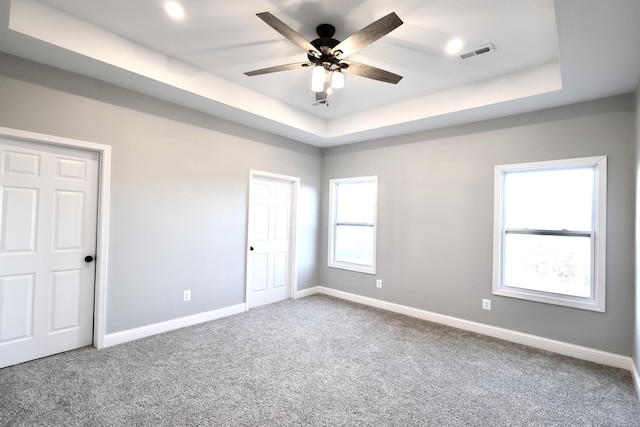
point(317, 361)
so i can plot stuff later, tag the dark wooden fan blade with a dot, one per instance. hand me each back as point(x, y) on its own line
point(371, 72)
point(279, 68)
point(368, 35)
point(288, 32)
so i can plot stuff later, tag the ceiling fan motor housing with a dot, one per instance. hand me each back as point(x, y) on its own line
point(324, 43)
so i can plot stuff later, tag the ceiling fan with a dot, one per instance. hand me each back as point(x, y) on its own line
point(327, 55)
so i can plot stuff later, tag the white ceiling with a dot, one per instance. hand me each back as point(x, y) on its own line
point(547, 53)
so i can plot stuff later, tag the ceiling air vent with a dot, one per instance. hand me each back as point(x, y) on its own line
point(479, 51)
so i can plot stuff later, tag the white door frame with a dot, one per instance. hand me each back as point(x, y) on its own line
point(102, 229)
point(293, 267)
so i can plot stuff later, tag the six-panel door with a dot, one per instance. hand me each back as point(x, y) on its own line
point(48, 214)
point(270, 228)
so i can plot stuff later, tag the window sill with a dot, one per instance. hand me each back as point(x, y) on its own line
point(353, 267)
point(549, 298)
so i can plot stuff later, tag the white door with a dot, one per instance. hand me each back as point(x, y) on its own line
point(48, 214)
point(270, 234)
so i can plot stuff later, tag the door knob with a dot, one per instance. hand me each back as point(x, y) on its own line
point(250, 248)
point(88, 258)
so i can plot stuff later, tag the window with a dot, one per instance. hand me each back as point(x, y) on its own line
point(550, 237)
point(352, 223)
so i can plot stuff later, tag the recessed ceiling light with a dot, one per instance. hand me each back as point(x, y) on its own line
point(174, 9)
point(454, 46)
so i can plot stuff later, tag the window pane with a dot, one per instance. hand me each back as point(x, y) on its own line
point(557, 264)
point(354, 244)
point(355, 202)
point(549, 199)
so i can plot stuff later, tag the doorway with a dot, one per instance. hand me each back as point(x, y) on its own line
point(52, 244)
point(271, 266)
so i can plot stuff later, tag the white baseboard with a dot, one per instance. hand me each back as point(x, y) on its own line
point(559, 347)
point(170, 325)
point(306, 292)
point(636, 377)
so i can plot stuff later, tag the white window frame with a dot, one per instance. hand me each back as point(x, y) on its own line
point(333, 186)
point(596, 302)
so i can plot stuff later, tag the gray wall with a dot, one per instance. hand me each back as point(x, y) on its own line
point(435, 217)
point(179, 189)
point(636, 337)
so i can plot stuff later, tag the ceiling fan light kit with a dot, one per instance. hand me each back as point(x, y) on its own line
point(337, 79)
point(317, 78)
point(327, 55)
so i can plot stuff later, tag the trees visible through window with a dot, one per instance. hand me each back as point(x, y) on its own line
point(549, 242)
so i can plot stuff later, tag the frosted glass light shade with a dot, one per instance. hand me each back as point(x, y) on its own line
point(317, 79)
point(337, 79)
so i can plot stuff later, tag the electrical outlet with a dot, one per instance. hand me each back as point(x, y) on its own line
point(486, 304)
point(186, 296)
point(378, 283)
